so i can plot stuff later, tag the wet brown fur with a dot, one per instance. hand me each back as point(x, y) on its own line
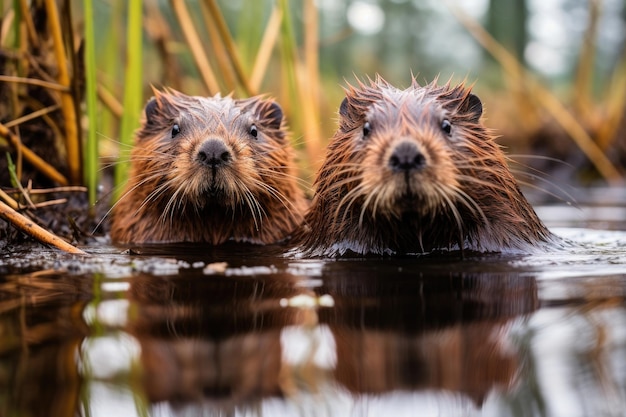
point(464, 197)
point(172, 197)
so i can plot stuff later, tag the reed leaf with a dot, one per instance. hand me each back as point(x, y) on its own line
point(91, 149)
point(133, 90)
point(288, 53)
point(111, 74)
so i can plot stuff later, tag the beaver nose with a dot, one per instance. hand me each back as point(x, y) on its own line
point(213, 153)
point(406, 157)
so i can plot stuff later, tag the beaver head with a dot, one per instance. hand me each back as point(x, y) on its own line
point(209, 169)
point(414, 170)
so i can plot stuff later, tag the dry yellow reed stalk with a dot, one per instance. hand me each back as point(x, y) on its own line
point(31, 116)
point(195, 45)
point(37, 232)
point(229, 44)
point(30, 26)
point(584, 71)
point(264, 53)
point(110, 101)
point(540, 93)
point(34, 81)
point(218, 49)
point(615, 105)
point(10, 201)
point(74, 159)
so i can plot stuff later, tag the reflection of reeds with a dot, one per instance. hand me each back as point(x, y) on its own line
point(29, 294)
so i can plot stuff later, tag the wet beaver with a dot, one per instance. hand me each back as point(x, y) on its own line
point(413, 171)
point(209, 169)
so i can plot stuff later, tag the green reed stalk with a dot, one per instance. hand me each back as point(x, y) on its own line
point(91, 148)
point(133, 90)
point(229, 45)
point(288, 57)
point(250, 31)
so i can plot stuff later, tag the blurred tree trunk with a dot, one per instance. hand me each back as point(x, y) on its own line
point(506, 21)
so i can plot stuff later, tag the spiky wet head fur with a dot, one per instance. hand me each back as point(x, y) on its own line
point(208, 170)
point(414, 170)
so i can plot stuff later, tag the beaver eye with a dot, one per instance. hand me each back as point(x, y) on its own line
point(367, 129)
point(175, 130)
point(446, 126)
point(254, 131)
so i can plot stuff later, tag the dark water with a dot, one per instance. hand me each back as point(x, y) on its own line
point(174, 331)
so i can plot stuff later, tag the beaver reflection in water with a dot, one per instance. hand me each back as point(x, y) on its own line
point(209, 169)
point(412, 171)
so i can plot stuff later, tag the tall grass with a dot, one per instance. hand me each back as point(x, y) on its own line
point(91, 149)
point(133, 88)
point(574, 121)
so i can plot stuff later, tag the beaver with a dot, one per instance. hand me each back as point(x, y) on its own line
point(209, 169)
point(414, 171)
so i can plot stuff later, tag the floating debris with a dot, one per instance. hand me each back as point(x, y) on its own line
point(215, 268)
point(308, 301)
point(251, 270)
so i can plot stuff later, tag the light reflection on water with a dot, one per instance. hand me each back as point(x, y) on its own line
point(442, 336)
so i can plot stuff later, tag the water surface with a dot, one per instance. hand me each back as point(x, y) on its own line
point(245, 331)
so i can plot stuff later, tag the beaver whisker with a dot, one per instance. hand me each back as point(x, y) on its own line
point(490, 185)
point(280, 197)
point(279, 174)
point(124, 195)
point(566, 197)
point(148, 178)
point(364, 207)
point(168, 212)
point(342, 178)
point(455, 212)
point(343, 183)
point(242, 194)
point(350, 198)
point(255, 208)
point(377, 201)
point(469, 202)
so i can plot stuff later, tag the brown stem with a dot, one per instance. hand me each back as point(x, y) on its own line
point(37, 232)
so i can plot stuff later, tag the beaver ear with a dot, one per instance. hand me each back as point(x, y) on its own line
point(151, 110)
point(472, 106)
point(343, 108)
point(273, 113)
